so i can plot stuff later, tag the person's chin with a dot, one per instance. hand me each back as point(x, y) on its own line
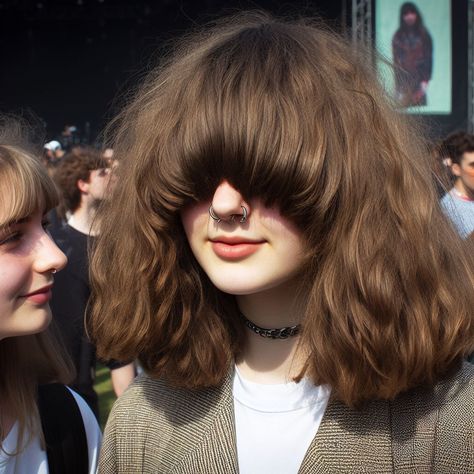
point(43, 320)
point(236, 287)
point(36, 328)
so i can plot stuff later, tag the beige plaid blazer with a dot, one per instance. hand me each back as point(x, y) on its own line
point(157, 429)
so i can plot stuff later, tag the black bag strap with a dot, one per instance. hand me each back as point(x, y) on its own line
point(63, 429)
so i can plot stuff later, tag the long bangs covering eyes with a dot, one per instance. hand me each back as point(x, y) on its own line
point(292, 114)
point(251, 109)
point(25, 185)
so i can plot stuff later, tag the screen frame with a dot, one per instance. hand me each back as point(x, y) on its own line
point(439, 125)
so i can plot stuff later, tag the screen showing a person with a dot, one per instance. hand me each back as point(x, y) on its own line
point(414, 39)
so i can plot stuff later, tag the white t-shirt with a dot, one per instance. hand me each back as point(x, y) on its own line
point(33, 460)
point(275, 424)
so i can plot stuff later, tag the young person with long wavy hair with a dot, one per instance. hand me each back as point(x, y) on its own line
point(37, 413)
point(276, 258)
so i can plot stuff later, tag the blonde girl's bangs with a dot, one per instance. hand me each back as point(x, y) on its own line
point(25, 185)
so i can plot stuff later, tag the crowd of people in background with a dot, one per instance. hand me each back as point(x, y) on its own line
point(175, 280)
point(83, 177)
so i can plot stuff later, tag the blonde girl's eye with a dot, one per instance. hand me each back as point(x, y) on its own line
point(10, 238)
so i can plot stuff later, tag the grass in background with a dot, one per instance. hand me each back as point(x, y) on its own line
point(103, 387)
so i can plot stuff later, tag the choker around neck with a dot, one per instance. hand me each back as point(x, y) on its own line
point(275, 333)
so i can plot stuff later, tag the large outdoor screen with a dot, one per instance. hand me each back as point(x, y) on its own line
point(414, 39)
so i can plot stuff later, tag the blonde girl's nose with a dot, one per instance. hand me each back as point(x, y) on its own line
point(48, 256)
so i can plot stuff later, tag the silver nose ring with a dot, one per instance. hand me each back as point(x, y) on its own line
point(218, 219)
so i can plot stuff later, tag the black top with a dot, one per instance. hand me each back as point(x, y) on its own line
point(71, 292)
point(63, 429)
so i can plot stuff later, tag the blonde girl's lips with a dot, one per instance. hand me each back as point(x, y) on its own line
point(235, 251)
point(41, 296)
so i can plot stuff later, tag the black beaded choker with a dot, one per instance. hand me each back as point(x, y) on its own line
point(277, 333)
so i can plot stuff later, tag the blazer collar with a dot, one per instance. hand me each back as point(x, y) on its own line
point(347, 440)
point(351, 440)
point(203, 438)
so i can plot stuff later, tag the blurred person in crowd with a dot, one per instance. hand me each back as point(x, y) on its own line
point(292, 311)
point(412, 50)
point(108, 154)
point(82, 178)
point(41, 420)
point(52, 153)
point(458, 203)
point(70, 137)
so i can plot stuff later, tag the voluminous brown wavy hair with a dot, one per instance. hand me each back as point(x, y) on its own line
point(289, 112)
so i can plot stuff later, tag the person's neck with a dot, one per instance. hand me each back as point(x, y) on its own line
point(463, 191)
point(82, 219)
point(266, 360)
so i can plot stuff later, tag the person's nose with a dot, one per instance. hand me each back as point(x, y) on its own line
point(228, 203)
point(48, 258)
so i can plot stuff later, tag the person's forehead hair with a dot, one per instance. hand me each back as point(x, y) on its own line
point(82, 162)
point(283, 111)
point(249, 103)
point(456, 144)
point(25, 186)
point(95, 160)
point(409, 7)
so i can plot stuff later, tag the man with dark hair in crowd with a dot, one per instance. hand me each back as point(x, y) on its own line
point(82, 177)
point(458, 204)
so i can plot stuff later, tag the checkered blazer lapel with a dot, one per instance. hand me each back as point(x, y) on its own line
point(203, 441)
point(350, 441)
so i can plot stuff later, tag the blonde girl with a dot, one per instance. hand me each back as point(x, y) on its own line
point(31, 363)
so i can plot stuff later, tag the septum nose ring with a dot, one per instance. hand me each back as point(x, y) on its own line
point(218, 219)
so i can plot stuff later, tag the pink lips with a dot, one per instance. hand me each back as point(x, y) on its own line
point(41, 296)
point(234, 248)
